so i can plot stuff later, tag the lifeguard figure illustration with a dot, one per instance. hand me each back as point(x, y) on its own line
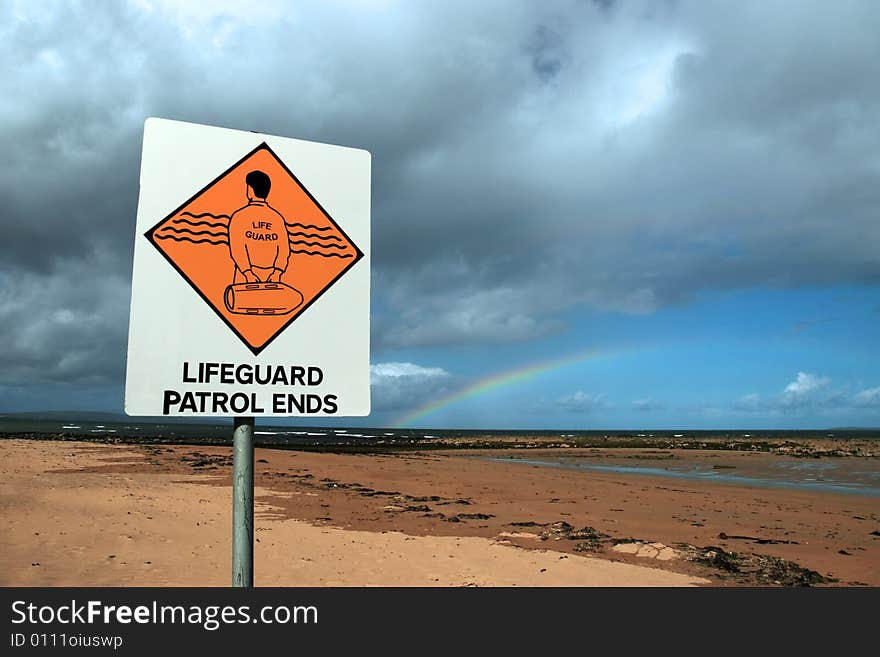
point(258, 236)
point(260, 251)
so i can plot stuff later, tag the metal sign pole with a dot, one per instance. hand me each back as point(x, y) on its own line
point(243, 502)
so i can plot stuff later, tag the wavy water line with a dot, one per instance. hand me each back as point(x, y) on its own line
point(324, 246)
point(204, 214)
point(323, 255)
point(189, 239)
point(212, 224)
point(323, 237)
point(194, 232)
point(311, 226)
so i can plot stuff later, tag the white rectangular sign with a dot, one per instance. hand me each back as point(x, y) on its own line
point(251, 283)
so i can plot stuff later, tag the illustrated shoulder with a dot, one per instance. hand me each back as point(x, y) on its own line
point(238, 213)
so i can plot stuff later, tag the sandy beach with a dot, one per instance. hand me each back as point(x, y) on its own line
point(91, 514)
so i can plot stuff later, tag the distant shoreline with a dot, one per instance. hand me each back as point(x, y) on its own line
point(330, 441)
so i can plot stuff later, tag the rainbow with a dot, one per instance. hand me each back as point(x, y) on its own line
point(494, 382)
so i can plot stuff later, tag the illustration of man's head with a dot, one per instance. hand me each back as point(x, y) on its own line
point(258, 185)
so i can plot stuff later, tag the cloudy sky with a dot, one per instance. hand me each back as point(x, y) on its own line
point(585, 214)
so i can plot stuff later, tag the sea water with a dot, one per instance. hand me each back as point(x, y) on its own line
point(806, 474)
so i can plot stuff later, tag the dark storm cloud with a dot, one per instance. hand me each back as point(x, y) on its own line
point(527, 158)
point(69, 326)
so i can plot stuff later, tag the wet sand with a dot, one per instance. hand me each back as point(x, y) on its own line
point(87, 514)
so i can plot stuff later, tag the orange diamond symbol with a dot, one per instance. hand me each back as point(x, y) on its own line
point(256, 246)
